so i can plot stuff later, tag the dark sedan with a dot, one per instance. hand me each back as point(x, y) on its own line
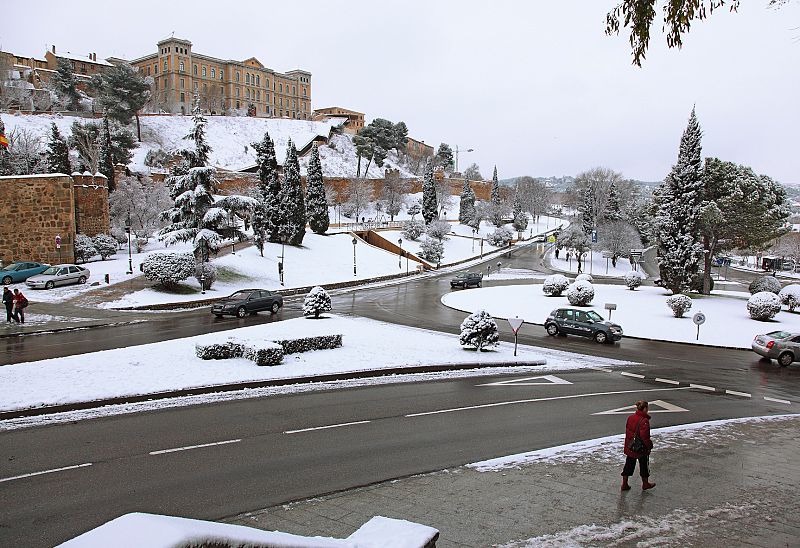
point(20, 271)
point(248, 301)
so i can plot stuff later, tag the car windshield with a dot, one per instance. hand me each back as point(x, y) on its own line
point(594, 316)
point(779, 334)
point(12, 267)
point(240, 295)
point(461, 275)
point(51, 271)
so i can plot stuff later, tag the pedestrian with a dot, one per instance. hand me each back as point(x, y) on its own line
point(8, 301)
point(637, 429)
point(558, 250)
point(20, 304)
point(569, 256)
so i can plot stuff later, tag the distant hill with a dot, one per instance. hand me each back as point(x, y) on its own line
point(562, 183)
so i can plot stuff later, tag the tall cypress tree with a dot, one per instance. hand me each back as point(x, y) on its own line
point(267, 175)
point(588, 214)
point(520, 217)
point(105, 163)
point(57, 160)
point(291, 206)
point(495, 189)
point(429, 204)
point(678, 200)
point(466, 209)
point(316, 202)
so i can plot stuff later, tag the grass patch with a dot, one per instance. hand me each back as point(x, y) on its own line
point(228, 275)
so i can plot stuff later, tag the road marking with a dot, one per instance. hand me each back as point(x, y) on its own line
point(636, 375)
point(787, 402)
point(668, 381)
point(534, 400)
point(735, 393)
point(548, 379)
point(325, 427)
point(603, 369)
point(666, 407)
point(46, 472)
point(188, 447)
point(703, 387)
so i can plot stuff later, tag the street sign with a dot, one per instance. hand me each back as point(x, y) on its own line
point(699, 318)
point(58, 241)
point(516, 323)
point(610, 307)
point(594, 236)
point(608, 254)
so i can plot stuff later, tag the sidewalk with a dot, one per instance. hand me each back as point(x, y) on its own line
point(727, 484)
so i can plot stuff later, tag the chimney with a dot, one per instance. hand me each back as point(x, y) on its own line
point(54, 49)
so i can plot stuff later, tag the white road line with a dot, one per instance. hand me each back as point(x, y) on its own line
point(636, 375)
point(533, 400)
point(46, 472)
point(787, 402)
point(668, 381)
point(162, 451)
point(735, 393)
point(325, 427)
point(604, 370)
point(703, 387)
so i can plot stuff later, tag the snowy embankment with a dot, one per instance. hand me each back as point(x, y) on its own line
point(641, 313)
point(143, 369)
point(593, 264)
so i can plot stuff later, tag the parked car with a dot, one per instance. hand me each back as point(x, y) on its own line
point(20, 271)
point(778, 345)
point(466, 279)
point(248, 301)
point(586, 323)
point(62, 274)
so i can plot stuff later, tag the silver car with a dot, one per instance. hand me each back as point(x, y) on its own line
point(62, 274)
point(778, 345)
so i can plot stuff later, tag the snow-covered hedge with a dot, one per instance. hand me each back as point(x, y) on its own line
point(633, 279)
point(168, 268)
point(580, 293)
point(584, 278)
point(316, 302)
point(307, 344)
point(680, 304)
point(765, 283)
point(501, 237)
point(432, 250)
point(438, 229)
point(555, 284)
point(84, 248)
point(106, 245)
point(219, 351)
point(790, 296)
point(763, 305)
point(206, 274)
point(412, 230)
point(479, 330)
point(267, 353)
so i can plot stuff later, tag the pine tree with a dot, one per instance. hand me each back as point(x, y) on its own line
point(57, 160)
point(588, 214)
point(267, 195)
point(105, 163)
point(198, 157)
point(678, 200)
point(429, 204)
point(496, 207)
point(612, 211)
point(316, 202)
point(122, 92)
point(466, 210)
point(291, 205)
point(520, 217)
point(65, 85)
point(495, 189)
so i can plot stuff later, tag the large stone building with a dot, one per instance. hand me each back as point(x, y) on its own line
point(223, 85)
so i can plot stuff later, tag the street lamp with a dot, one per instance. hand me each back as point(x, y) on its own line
point(355, 241)
point(130, 256)
point(473, 240)
point(400, 255)
point(456, 155)
point(282, 257)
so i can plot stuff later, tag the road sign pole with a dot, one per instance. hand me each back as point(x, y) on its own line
point(515, 343)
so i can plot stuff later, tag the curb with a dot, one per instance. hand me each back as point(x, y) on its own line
point(63, 329)
point(232, 387)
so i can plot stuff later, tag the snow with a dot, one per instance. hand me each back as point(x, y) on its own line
point(641, 313)
point(598, 264)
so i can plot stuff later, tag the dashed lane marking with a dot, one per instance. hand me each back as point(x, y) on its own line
point(735, 393)
point(325, 427)
point(667, 381)
point(635, 375)
point(703, 387)
point(12, 478)
point(787, 402)
point(188, 447)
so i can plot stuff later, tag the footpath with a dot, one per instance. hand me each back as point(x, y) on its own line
point(734, 484)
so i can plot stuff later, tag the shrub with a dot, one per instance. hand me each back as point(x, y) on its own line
point(765, 283)
point(633, 279)
point(790, 296)
point(168, 268)
point(412, 230)
point(479, 330)
point(84, 248)
point(267, 353)
point(219, 351)
point(580, 293)
point(763, 305)
point(432, 250)
point(316, 302)
point(501, 237)
point(307, 344)
point(438, 229)
point(680, 304)
point(206, 274)
point(555, 284)
point(105, 245)
point(157, 158)
point(584, 278)
point(696, 284)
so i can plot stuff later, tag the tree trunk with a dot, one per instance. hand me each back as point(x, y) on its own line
point(138, 128)
point(358, 166)
point(366, 171)
point(709, 247)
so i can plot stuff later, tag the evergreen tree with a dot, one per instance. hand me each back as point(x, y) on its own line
point(105, 164)
point(678, 200)
point(429, 205)
point(267, 192)
point(444, 157)
point(65, 85)
point(198, 157)
point(613, 211)
point(291, 205)
point(316, 202)
point(495, 189)
point(57, 160)
point(466, 210)
point(496, 207)
point(588, 213)
point(520, 217)
point(122, 92)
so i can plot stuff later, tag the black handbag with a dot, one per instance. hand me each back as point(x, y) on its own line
point(637, 445)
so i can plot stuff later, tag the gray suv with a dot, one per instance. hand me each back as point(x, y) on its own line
point(466, 279)
point(586, 323)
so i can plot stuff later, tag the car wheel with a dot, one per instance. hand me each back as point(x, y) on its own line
point(552, 330)
point(82, 280)
point(241, 312)
point(49, 285)
point(600, 337)
point(275, 308)
point(786, 358)
point(7, 280)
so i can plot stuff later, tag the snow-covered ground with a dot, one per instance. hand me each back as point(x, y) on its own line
point(641, 313)
point(144, 370)
point(598, 264)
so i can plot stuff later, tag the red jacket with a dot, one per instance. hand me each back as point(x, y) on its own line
point(644, 433)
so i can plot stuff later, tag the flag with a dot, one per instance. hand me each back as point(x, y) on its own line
point(3, 141)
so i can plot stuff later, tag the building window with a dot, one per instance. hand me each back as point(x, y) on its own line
point(281, 88)
point(166, 66)
point(237, 75)
point(247, 78)
point(148, 71)
point(205, 88)
point(204, 71)
point(281, 101)
point(237, 104)
point(304, 91)
point(155, 68)
point(237, 93)
point(258, 80)
point(213, 73)
point(182, 83)
point(180, 66)
point(294, 90)
point(195, 86)
point(267, 109)
point(247, 93)
point(194, 68)
point(183, 98)
point(258, 95)
point(221, 74)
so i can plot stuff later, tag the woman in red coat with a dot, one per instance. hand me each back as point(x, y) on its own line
point(638, 422)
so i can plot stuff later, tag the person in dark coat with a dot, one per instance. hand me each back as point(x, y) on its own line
point(8, 301)
point(558, 250)
point(639, 421)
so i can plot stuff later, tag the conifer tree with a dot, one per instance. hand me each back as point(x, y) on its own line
point(495, 189)
point(466, 210)
point(105, 161)
point(429, 204)
point(316, 202)
point(496, 207)
point(122, 92)
point(57, 160)
point(291, 205)
point(612, 211)
point(520, 217)
point(267, 177)
point(65, 85)
point(587, 209)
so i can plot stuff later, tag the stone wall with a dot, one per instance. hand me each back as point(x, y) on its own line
point(91, 204)
point(36, 209)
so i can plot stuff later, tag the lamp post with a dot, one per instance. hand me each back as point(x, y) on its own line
point(481, 248)
point(130, 255)
point(400, 255)
point(473, 240)
point(456, 155)
point(281, 262)
point(355, 241)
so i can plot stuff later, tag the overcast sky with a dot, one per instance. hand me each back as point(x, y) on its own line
point(533, 87)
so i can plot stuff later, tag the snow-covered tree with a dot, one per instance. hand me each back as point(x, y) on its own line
point(105, 245)
point(84, 248)
point(268, 186)
point(168, 268)
point(496, 207)
point(765, 283)
point(479, 330)
point(790, 296)
point(473, 173)
point(316, 302)
point(588, 211)
point(612, 211)
point(392, 193)
point(763, 306)
point(65, 86)
point(554, 285)
point(140, 202)
point(24, 154)
point(580, 293)
point(57, 158)
point(534, 195)
point(619, 238)
point(414, 210)
point(633, 279)
point(466, 209)
point(105, 159)
point(205, 274)
point(680, 304)
point(412, 230)
point(584, 278)
point(432, 250)
point(359, 195)
point(678, 200)
point(444, 157)
point(316, 201)
point(291, 204)
point(520, 217)
point(438, 229)
point(500, 237)
point(122, 92)
point(429, 207)
point(573, 237)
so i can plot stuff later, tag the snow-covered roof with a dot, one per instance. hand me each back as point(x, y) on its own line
point(83, 59)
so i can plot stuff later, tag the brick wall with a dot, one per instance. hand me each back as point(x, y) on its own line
point(37, 208)
point(91, 204)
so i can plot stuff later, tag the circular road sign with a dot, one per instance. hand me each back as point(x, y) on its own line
point(699, 318)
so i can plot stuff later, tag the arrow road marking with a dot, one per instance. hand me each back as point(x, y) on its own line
point(188, 447)
point(665, 408)
point(549, 379)
point(46, 472)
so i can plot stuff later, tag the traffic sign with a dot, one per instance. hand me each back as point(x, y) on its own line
point(699, 318)
point(516, 323)
point(594, 236)
point(58, 241)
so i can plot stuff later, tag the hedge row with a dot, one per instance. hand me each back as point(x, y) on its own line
point(268, 352)
point(307, 344)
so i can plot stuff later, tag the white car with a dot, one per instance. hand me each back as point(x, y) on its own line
point(62, 274)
